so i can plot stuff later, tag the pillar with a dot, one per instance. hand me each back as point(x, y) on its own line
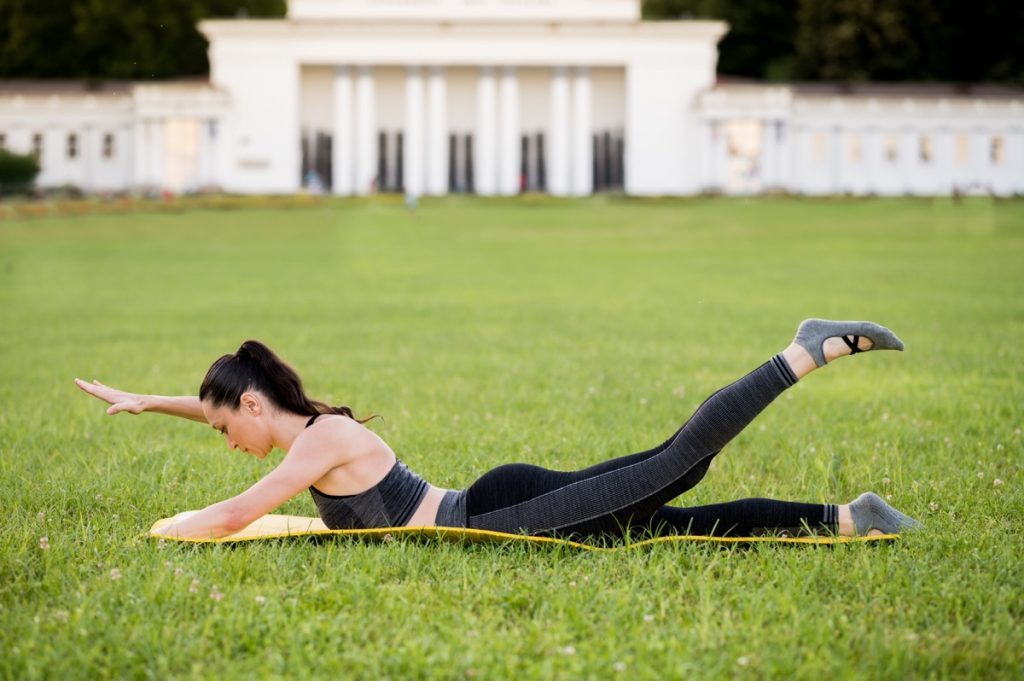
point(509, 154)
point(342, 156)
point(413, 166)
point(485, 163)
point(365, 132)
point(437, 132)
point(558, 135)
point(140, 155)
point(582, 144)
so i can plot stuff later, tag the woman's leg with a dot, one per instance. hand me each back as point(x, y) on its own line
point(868, 514)
point(610, 496)
point(742, 518)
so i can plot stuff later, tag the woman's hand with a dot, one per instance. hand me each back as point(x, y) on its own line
point(118, 399)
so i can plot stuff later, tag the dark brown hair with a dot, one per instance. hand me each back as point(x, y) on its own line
point(256, 367)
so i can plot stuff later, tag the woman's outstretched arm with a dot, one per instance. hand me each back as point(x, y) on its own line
point(185, 406)
point(309, 459)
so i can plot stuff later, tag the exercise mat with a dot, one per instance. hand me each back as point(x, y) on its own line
point(283, 526)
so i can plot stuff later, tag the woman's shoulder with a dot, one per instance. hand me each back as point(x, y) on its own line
point(339, 432)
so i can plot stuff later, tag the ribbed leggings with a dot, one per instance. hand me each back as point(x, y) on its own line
point(629, 493)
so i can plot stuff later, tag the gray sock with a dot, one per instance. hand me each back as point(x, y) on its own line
point(813, 332)
point(870, 512)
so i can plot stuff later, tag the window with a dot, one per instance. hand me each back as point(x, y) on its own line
point(855, 150)
point(963, 149)
point(108, 145)
point(890, 149)
point(997, 151)
point(924, 149)
point(37, 144)
point(72, 145)
point(818, 147)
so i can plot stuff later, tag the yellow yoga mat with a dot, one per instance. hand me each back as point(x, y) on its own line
point(281, 526)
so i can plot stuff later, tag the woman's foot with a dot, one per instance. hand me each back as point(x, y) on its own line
point(836, 346)
point(869, 515)
point(824, 340)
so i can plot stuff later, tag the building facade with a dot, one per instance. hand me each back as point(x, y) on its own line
point(499, 97)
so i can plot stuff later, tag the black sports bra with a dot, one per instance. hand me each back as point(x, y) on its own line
point(389, 503)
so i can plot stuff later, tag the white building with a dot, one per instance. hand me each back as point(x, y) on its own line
point(496, 97)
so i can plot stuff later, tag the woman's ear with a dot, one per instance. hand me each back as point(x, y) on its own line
point(250, 404)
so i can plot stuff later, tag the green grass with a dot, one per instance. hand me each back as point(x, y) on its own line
point(557, 333)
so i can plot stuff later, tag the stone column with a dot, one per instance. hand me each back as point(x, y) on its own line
point(437, 133)
point(720, 155)
point(140, 155)
point(509, 154)
point(769, 154)
point(582, 144)
point(558, 135)
point(413, 167)
point(485, 165)
point(365, 131)
point(156, 155)
point(203, 156)
point(342, 161)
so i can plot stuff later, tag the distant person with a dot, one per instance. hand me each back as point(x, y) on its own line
point(314, 184)
point(258, 403)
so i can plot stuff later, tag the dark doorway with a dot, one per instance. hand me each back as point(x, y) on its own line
point(460, 163)
point(316, 171)
point(390, 161)
point(533, 164)
point(608, 164)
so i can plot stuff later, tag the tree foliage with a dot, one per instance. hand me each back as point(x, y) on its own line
point(112, 38)
point(17, 171)
point(761, 34)
point(858, 40)
point(847, 40)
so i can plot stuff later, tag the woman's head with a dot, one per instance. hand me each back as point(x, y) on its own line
point(255, 381)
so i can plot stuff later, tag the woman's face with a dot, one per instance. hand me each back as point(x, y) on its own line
point(244, 428)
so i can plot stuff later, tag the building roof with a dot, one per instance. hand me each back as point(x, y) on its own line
point(878, 90)
point(46, 88)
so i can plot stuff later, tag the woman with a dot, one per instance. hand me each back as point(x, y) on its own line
point(257, 402)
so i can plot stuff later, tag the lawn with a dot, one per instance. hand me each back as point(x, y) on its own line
point(557, 333)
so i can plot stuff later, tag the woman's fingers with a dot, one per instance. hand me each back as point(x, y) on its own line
point(87, 387)
point(130, 406)
point(91, 389)
point(106, 393)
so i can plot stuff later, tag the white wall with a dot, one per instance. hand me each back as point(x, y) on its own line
point(316, 103)
point(87, 117)
point(609, 101)
point(816, 157)
point(262, 131)
point(663, 143)
point(462, 10)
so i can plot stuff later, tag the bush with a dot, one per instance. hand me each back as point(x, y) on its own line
point(17, 172)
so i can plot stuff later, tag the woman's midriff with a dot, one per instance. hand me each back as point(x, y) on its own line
point(426, 512)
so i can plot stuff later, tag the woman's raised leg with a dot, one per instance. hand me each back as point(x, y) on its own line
point(610, 496)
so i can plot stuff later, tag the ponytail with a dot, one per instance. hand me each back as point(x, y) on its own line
point(255, 367)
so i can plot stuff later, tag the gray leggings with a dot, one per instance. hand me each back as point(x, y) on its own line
point(629, 491)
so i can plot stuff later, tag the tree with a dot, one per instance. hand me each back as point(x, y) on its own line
point(845, 40)
point(923, 40)
point(123, 39)
point(856, 40)
point(761, 35)
point(17, 172)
